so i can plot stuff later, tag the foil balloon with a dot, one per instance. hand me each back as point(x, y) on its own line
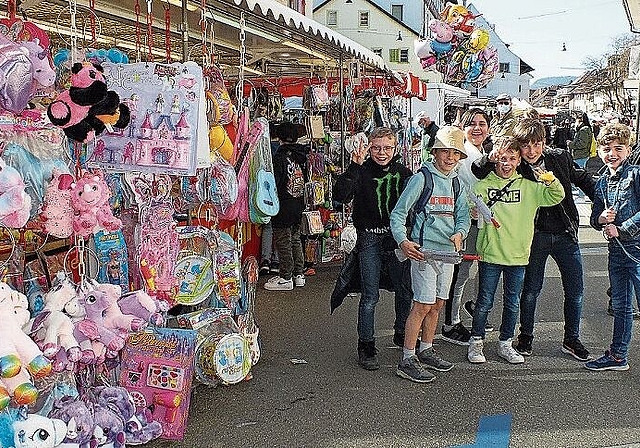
point(490, 63)
point(16, 76)
point(421, 48)
point(21, 31)
point(454, 14)
point(479, 39)
point(442, 31)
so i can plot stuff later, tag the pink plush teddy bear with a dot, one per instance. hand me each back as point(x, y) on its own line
point(15, 203)
point(90, 201)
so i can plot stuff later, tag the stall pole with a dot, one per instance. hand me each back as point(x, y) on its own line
point(185, 31)
point(342, 122)
point(638, 114)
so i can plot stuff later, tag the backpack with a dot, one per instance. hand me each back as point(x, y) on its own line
point(423, 199)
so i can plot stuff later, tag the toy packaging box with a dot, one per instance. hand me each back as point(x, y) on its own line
point(157, 370)
point(113, 259)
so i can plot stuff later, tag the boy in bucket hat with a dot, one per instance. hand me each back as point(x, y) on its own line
point(446, 216)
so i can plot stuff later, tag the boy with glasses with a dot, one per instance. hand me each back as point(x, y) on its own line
point(374, 180)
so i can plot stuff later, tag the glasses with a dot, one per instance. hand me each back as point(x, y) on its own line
point(504, 102)
point(382, 148)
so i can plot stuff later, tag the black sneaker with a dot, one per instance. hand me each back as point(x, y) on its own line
point(264, 267)
point(458, 334)
point(412, 370)
point(524, 345)
point(575, 348)
point(274, 268)
point(368, 355)
point(469, 307)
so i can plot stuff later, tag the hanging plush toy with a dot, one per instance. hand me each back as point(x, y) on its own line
point(19, 355)
point(20, 429)
point(90, 202)
point(15, 203)
point(57, 213)
point(87, 108)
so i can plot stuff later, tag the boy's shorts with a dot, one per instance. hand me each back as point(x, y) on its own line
point(428, 284)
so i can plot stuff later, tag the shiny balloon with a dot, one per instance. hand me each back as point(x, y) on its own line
point(479, 39)
point(16, 76)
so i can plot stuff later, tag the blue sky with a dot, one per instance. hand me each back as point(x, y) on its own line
point(536, 30)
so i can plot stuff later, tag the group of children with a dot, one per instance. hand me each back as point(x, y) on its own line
point(513, 197)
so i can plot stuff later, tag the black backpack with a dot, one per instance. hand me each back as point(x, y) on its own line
point(423, 199)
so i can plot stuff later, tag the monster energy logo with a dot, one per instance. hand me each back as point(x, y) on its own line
point(383, 191)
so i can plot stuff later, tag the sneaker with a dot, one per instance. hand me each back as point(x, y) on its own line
point(412, 370)
point(488, 327)
point(474, 353)
point(274, 267)
point(575, 348)
point(398, 339)
point(431, 360)
point(299, 280)
point(368, 355)
point(608, 362)
point(278, 283)
point(506, 351)
point(264, 267)
point(524, 344)
point(458, 334)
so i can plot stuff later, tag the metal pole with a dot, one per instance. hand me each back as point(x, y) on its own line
point(185, 31)
point(342, 121)
point(638, 112)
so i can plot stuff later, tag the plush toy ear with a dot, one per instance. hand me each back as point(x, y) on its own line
point(65, 182)
point(76, 68)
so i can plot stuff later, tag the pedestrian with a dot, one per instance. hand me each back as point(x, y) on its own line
point(374, 184)
point(504, 121)
point(616, 211)
point(428, 130)
point(504, 250)
point(269, 255)
point(580, 146)
point(289, 166)
point(440, 225)
point(475, 125)
point(562, 134)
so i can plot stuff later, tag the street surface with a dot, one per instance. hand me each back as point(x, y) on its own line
point(549, 401)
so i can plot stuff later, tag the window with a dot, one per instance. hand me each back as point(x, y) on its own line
point(377, 51)
point(404, 55)
point(520, 89)
point(364, 19)
point(504, 67)
point(394, 55)
point(396, 11)
point(332, 18)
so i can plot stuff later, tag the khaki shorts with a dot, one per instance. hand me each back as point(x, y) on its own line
point(427, 283)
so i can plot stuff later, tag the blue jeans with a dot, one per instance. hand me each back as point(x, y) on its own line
point(566, 253)
point(624, 275)
point(489, 276)
point(374, 252)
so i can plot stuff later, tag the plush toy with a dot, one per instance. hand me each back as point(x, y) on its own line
point(87, 108)
point(90, 202)
point(94, 326)
point(114, 318)
point(79, 420)
point(139, 427)
point(17, 350)
point(20, 429)
point(15, 203)
point(109, 427)
point(57, 213)
point(142, 305)
point(52, 329)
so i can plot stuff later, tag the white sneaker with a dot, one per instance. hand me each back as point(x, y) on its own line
point(474, 353)
point(506, 351)
point(299, 280)
point(278, 283)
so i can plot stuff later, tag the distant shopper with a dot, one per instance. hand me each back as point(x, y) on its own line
point(505, 250)
point(440, 225)
point(616, 211)
point(289, 166)
point(580, 146)
point(428, 131)
point(374, 184)
point(504, 121)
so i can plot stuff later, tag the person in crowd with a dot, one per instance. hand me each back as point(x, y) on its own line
point(445, 217)
point(562, 134)
point(505, 249)
point(269, 255)
point(374, 184)
point(580, 146)
point(504, 121)
point(289, 165)
point(555, 235)
point(428, 131)
point(475, 124)
point(616, 211)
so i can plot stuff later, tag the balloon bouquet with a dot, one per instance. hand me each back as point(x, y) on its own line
point(458, 50)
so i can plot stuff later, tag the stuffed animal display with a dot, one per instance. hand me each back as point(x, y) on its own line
point(90, 201)
point(88, 108)
point(19, 355)
point(15, 203)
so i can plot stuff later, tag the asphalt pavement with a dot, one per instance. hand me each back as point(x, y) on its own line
point(329, 401)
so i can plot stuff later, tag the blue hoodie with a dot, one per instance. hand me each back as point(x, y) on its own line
point(443, 215)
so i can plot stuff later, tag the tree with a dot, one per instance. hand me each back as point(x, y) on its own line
point(606, 73)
